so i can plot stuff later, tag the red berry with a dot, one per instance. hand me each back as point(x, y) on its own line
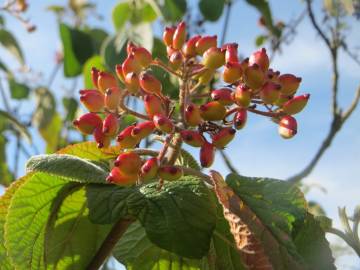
point(232, 72)
point(119, 73)
point(149, 169)
point(270, 92)
point(132, 82)
point(240, 118)
point(128, 163)
point(153, 105)
point(213, 111)
point(143, 129)
point(131, 65)
point(223, 137)
point(192, 115)
point(260, 58)
point(296, 104)
point(170, 173)
point(179, 36)
point(242, 95)
point(168, 35)
point(110, 125)
point(231, 53)
point(105, 81)
point(142, 56)
point(254, 76)
point(192, 137)
point(205, 43)
point(289, 84)
point(88, 122)
point(125, 139)
point(93, 100)
point(163, 123)
point(207, 155)
point(223, 95)
point(119, 178)
point(102, 140)
point(287, 127)
point(189, 49)
point(150, 83)
point(176, 59)
point(112, 97)
point(214, 58)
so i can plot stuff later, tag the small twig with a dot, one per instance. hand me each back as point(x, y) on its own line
point(159, 63)
point(228, 162)
point(346, 114)
point(127, 110)
point(268, 114)
point(53, 74)
point(226, 21)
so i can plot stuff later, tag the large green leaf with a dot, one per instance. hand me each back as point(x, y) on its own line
point(18, 90)
point(67, 166)
point(172, 10)
point(51, 133)
point(121, 13)
point(45, 107)
point(211, 9)
point(97, 36)
point(187, 160)
point(9, 42)
point(136, 252)
point(89, 150)
point(70, 105)
point(17, 125)
point(77, 47)
point(113, 51)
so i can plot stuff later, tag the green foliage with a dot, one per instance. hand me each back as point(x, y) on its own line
point(121, 14)
point(95, 61)
point(9, 42)
point(211, 9)
point(16, 124)
point(18, 90)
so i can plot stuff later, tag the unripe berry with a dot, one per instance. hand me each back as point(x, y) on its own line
point(128, 163)
point(105, 81)
point(119, 73)
point(163, 123)
point(296, 104)
point(192, 137)
point(287, 127)
point(212, 111)
point(207, 155)
point(130, 65)
point(223, 95)
point(153, 105)
point(112, 97)
point(125, 139)
point(192, 115)
point(101, 139)
point(143, 129)
point(189, 49)
point(260, 58)
point(142, 56)
point(240, 119)
point(204, 43)
point(213, 58)
point(232, 72)
point(223, 137)
point(118, 177)
point(206, 76)
point(94, 76)
point(176, 59)
point(149, 169)
point(289, 84)
point(282, 100)
point(110, 125)
point(170, 173)
point(150, 83)
point(93, 100)
point(179, 36)
point(168, 35)
point(129, 47)
point(132, 82)
point(231, 53)
point(242, 95)
point(270, 92)
point(254, 76)
point(88, 122)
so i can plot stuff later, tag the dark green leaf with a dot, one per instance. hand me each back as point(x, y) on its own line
point(187, 160)
point(159, 50)
point(18, 90)
point(95, 61)
point(8, 41)
point(121, 14)
point(211, 9)
point(67, 166)
point(98, 36)
point(113, 51)
point(3, 67)
point(77, 47)
point(70, 104)
point(173, 10)
point(17, 125)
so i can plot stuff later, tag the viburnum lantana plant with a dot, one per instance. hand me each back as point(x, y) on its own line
point(208, 120)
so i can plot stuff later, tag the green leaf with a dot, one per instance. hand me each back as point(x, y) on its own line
point(187, 160)
point(17, 125)
point(72, 240)
point(18, 90)
point(260, 40)
point(147, 13)
point(77, 47)
point(45, 108)
point(98, 36)
point(211, 9)
point(9, 42)
point(51, 133)
point(142, 35)
point(121, 13)
point(95, 61)
point(312, 245)
point(27, 217)
point(173, 10)
point(71, 105)
point(136, 252)
point(113, 51)
point(3, 67)
point(67, 166)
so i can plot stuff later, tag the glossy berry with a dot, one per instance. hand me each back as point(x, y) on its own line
point(128, 163)
point(192, 137)
point(232, 72)
point(213, 58)
point(242, 95)
point(143, 129)
point(212, 111)
point(101, 139)
point(110, 125)
point(231, 52)
point(88, 122)
point(260, 58)
point(125, 140)
point(170, 173)
point(116, 176)
point(240, 119)
point(93, 100)
point(179, 36)
point(150, 83)
point(207, 155)
point(168, 35)
point(287, 127)
point(189, 49)
point(119, 73)
point(223, 137)
point(223, 95)
point(296, 104)
point(112, 97)
point(192, 115)
point(132, 82)
point(149, 169)
point(131, 65)
point(204, 43)
point(142, 56)
point(163, 123)
point(270, 92)
point(254, 76)
point(94, 76)
point(153, 105)
point(289, 84)
point(175, 59)
point(105, 81)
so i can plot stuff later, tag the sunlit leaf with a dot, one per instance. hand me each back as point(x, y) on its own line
point(95, 61)
point(18, 90)
point(121, 13)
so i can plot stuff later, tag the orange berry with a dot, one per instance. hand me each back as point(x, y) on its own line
point(189, 49)
point(106, 80)
point(242, 95)
point(132, 82)
point(163, 123)
point(119, 178)
point(192, 115)
point(130, 65)
point(289, 84)
point(296, 104)
point(125, 140)
point(142, 56)
point(260, 58)
point(128, 163)
point(254, 76)
point(168, 35)
point(150, 83)
point(231, 52)
point(88, 122)
point(112, 97)
point(232, 72)
point(204, 43)
point(223, 95)
point(153, 105)
point(149, 169)
point(179, 36)
point(192, 137)
point(240, 119)
point(270, 92)
point(223, 137)
point(93, 100)
point(101, 139)
point(110, 125)
point(212, 111)
point(143, 129)
point(213, 58)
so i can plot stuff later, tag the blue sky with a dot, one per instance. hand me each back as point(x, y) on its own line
point(257, 150)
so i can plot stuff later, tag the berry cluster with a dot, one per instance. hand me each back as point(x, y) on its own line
point(202, 118)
